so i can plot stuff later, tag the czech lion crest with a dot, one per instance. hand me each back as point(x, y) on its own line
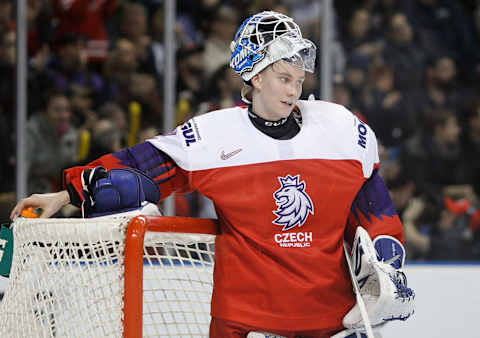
point(293, 203)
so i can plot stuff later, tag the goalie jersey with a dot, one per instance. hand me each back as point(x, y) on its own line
point(284, 208)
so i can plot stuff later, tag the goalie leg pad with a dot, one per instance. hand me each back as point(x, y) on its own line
point(349, 333)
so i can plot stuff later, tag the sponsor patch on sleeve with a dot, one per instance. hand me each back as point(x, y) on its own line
point(362, 134)
point(190, 133)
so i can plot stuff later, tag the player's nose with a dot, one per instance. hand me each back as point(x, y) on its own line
point(293, 91)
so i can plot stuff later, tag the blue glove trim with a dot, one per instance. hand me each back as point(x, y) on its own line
point(388, 248)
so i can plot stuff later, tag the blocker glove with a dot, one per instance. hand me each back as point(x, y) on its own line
point(115, 191)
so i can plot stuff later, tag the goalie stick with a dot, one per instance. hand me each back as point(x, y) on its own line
point(361, 304)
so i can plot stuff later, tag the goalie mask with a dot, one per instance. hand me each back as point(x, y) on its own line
point(266, 38)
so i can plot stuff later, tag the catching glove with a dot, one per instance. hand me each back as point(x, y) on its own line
point(383, 285)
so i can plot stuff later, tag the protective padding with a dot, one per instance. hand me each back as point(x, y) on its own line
point(122, 190)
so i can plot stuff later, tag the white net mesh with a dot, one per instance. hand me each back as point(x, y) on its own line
point(67, 280)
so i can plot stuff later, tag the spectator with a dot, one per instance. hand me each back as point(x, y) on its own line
point(128, 85)
point(283, 7)
point(224, 89)
point(52, 144)
point(147, 133)
point(133, 27)
point(191, 19)
point(442, 26)
point(310, 87)
point(67, 71)
point(357, 35)
point(382, 12)
point(471, 142)
point(387, 110)
point(403, 53)
point(156, 53)
point(143, 89)
point(411, 209)
point(440, 88)
point(7, 108)
point(6, 168)
point(195, 17)
point(356, 79)
point(440, 165)
point(115, 113)
point(40, 26)
point(106, 138)
point(87, 19)
point(471, 61)
point(7, 69)
point(217, 43)
point(308, 15)
point(341, 95)
point(451, 238)
point(120, 66)
point(190, 81)
point(6, 16)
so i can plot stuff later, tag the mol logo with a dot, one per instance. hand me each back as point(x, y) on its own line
point(362, 135)
point(293, 203)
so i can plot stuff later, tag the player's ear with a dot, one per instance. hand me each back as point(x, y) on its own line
point(257, 81)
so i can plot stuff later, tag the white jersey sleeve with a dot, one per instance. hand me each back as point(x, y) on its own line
point(354, 138)
point(193, 145)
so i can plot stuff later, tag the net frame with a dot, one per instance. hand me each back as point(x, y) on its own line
point(136, 231)
point(33, 295)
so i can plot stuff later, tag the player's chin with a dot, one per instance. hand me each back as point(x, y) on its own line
point(285, 109)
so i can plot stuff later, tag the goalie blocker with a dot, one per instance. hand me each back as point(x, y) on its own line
point(116, 191)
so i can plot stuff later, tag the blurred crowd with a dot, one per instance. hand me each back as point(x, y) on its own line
point(409, 68)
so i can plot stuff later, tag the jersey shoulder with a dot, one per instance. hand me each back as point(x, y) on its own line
point(200, 136)
point(328, 113)
point(352, 135)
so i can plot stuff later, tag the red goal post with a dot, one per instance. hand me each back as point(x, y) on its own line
point(138, 226)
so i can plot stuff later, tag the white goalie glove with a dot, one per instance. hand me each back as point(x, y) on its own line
point(383, 285)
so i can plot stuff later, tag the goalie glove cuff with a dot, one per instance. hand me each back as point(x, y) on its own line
point(390, 250)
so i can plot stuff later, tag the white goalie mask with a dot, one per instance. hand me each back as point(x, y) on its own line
point(266, 38)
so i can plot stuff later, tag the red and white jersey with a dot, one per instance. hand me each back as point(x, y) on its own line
point(284, 208)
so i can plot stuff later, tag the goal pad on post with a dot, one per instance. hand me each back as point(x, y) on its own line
point(104, 277)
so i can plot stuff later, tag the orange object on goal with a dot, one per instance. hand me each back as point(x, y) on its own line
point(29, 213)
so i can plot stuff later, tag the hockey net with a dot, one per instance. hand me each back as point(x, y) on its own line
point(105, 277)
